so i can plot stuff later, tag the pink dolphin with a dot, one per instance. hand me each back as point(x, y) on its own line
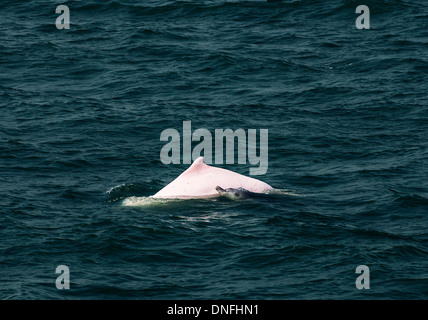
point(200, 181)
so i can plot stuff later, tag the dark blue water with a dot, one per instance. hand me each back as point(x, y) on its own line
point(82, 111)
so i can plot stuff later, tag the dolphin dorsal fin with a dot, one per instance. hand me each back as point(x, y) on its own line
point(197, 164)
point(198, 161)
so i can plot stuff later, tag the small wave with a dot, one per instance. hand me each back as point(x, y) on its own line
point(125, 190)
point(413, 200)
point(134, 201)
point(124, 187)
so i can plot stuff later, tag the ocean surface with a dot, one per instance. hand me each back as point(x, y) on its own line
point(81, 114)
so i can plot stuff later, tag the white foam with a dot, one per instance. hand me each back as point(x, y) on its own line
point(284, 192)
point(144, 201)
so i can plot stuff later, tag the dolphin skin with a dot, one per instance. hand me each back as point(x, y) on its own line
point(200, 181)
